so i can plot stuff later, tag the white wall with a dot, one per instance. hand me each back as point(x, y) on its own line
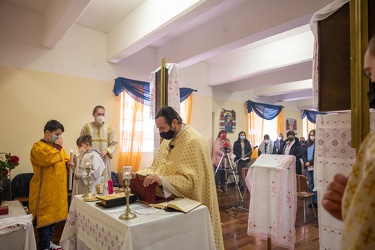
point(65, 83)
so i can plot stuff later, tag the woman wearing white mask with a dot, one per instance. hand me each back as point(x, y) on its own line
point(87, 157)
point(309, 165)
point(103, 137)
point(242, 150)
point(266, 147)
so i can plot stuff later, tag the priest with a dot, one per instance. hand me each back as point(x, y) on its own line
point(182, 166)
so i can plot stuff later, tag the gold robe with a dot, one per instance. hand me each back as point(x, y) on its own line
point(358, 205)
point(186, 169)
point(48, 196)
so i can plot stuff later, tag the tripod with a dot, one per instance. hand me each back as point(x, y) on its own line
point(223, 158)
point(240, 205)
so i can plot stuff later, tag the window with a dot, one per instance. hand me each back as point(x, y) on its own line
point(270, 128)
point(307, 127)
point(144, 126)
point(129, 127)
point(148, 131)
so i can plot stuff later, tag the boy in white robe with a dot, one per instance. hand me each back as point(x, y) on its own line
point(87, 156)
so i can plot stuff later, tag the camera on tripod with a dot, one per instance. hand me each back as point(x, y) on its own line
point(226, 147)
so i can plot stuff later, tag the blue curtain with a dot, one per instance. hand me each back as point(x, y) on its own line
point(265, 111)
point(311, 115)
point(140, 91)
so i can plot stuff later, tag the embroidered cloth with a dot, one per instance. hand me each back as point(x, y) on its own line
point(273, 199)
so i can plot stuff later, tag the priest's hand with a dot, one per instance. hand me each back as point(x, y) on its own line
point(332, 198)
point(103, 153)
point(151, 179)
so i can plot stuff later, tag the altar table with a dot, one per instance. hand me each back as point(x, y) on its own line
point(273, 199)
point(16, 228)
point(90, 226)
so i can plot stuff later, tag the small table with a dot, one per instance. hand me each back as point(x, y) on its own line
point(16, 228)
point(90, 226)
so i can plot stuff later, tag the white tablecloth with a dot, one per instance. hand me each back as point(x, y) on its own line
point(89, 226)
point(16, 228)
point(273, 199)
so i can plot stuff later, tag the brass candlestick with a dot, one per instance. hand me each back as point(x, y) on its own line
point(128, 215)
point(88, 196)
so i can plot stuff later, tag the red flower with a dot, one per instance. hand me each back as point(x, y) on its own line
point(8, 162)
point(14, 159)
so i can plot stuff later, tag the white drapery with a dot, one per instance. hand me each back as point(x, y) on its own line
point(173, 95)
point(333, 154)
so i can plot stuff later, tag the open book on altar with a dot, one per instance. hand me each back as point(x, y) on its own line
point(181, 204)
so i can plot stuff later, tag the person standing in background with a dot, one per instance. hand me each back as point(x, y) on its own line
point(309, 164)
point(242, 150)
point(103, 138)
point(266, 147)
point(279, 144)
point(48, 196)
point(302, 141)
point(220, 162)
point(293, 147)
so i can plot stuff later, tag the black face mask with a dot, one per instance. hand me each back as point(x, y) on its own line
point(371, 95)
point(290, 139)
point(167, 135)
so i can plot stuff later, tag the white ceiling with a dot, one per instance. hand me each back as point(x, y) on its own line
point(247, 44)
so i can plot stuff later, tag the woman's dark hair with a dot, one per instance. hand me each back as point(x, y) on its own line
point(242, 132)
point(290, 133)
point(309, 141)
point(169, 115)
point(221, 132)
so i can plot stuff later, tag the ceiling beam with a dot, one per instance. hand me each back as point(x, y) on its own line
point(290, 73)
point(285, 88)
point(246, 24)
point(152, 21)
point(59, 16)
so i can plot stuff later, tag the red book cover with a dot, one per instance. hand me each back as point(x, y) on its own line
point(146, 194)
point(4, 210)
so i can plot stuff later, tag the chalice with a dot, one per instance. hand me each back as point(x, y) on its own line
point(88, 196)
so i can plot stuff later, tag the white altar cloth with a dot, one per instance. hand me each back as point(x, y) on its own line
point(16, 228)
point(89, 226)
point(273, 199)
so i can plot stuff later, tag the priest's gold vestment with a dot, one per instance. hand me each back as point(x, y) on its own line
point(358, 206)
point(186, 170)
point(48, 195)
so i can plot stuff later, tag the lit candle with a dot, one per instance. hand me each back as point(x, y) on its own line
point(71, 171)
point(71, 156)
point(127, 172)
point(88, 165)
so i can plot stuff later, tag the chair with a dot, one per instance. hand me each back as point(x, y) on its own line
point(21, 187)
point(303, 194)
